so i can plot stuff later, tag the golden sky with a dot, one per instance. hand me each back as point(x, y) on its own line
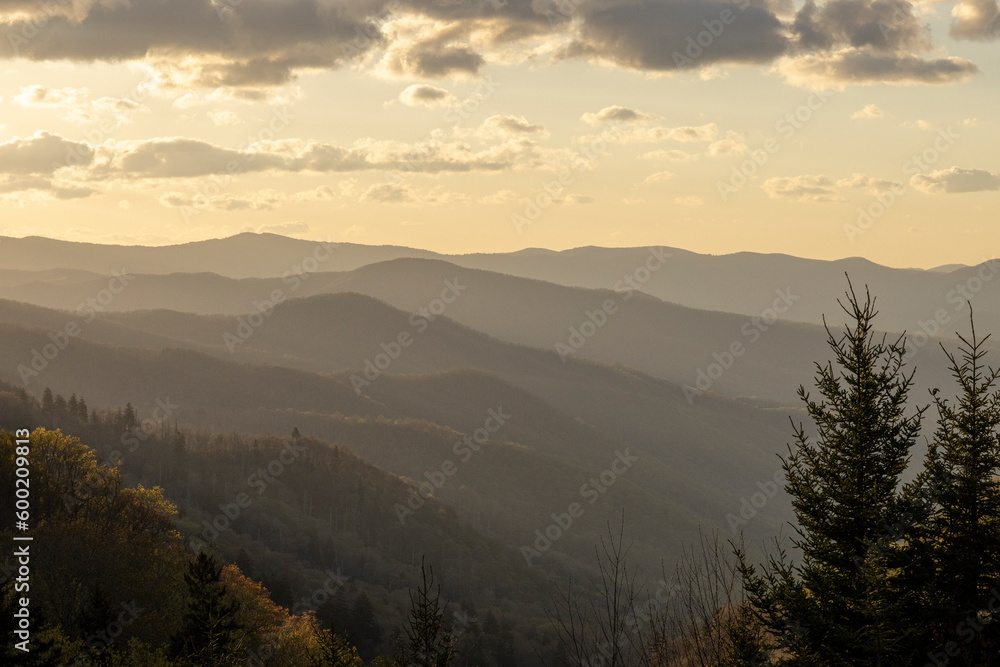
point(830, 129)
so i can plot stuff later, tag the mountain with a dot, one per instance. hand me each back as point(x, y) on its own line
point(743, 283)
point(568, 424)
point(763, 357)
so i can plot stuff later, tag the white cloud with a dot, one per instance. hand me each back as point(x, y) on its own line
point(658, 177)
point(867, 112)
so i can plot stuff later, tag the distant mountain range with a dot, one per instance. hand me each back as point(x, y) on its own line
point(688, 363)
point(742, 283)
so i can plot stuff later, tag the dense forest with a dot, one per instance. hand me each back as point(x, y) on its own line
point(158, 545)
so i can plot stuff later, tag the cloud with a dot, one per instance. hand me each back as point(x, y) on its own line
point(872, 185)
point(402, 193)
point(79, 109)
point(644, 134)
point(976, 20)
point(616, 114)
point(224, 117)
point(658, 177)
point(45, 97)
point(422, 94)
point(658, 36)
point(249, 47)
point(868, 111)
point(43, 153)
point(18, 189)
point(180, 157)
point(732, 143)
point(883, 25)
point(867, 66)
point(808, 188)
point(291, 228)
point(511, 125)
point(919, 125)
point(262, 200)
point(956, 180)
point(690, 200)
point(578, 199)
point(498, 197)
point(674, 155)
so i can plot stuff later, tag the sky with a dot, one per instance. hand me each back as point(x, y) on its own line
point(819, 129)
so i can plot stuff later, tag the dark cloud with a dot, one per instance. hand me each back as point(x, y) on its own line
point(422, 94)
point(956, 180)
point(867, 66)
point(881, 24)
point(659, 35)
point(43, 153)
point(249, 45)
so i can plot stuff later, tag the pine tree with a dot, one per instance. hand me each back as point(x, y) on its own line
point(429, 641)
point(81, 410)
point(210, 634)
point(129, 419)
point(958, 537)
point(364, 628)
point(843, 604)
point(47, 401)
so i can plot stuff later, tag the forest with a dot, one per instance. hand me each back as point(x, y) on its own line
point(157, 545)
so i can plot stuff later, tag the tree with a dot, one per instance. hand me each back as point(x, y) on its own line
point(429, 641)
point(843, 604)
point(364, 628)
point(47, 401)
point(210, 633)
point(957, 538)
point(129, 419)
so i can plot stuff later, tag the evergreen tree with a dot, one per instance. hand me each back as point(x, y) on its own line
point(129, 419)
point(210, 634)
point(365, 631)
point(843, 603)
point(957, 540)
point(47, 401)
point(428, 640)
